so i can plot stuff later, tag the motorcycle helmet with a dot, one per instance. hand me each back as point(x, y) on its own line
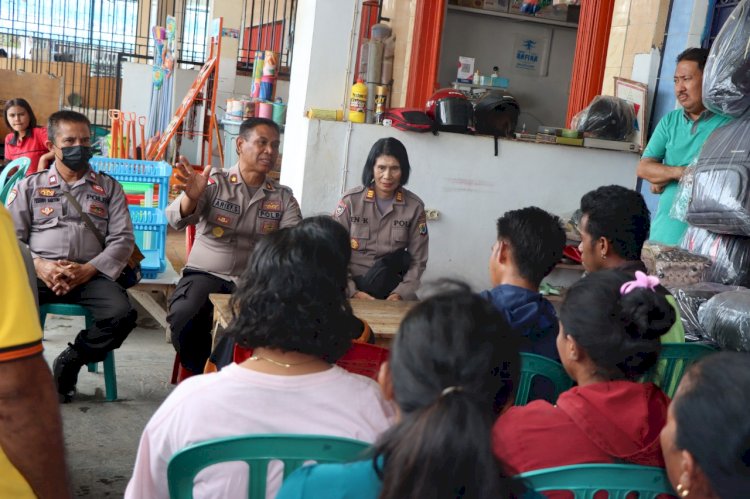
point(451, 110)
point(496, 114)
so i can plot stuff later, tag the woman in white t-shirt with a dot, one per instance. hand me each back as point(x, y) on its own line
point(293, 313)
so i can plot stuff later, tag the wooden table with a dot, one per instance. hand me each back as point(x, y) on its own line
point(383, 316)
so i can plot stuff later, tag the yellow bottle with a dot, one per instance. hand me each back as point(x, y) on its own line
point(358, 102)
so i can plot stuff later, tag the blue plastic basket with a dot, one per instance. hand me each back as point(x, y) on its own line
point(136, 170)
point(150, 228)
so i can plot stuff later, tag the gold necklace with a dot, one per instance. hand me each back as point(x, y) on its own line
point(280, 364)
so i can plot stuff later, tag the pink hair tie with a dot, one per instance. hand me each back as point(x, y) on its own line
point(641, 281)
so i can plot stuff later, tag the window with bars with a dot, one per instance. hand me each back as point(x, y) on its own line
point(267, 25)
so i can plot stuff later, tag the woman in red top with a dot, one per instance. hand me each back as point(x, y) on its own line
point(27, 139)
point(608, 338)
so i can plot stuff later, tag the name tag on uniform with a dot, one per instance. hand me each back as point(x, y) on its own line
point(95, 197)
point(270, 215)
point(226, 206)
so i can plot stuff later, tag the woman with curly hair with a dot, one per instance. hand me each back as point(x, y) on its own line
point(292, 311)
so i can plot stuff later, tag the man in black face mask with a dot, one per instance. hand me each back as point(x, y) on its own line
point(71, 264)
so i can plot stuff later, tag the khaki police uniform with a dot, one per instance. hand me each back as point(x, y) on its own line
point(229, 222)
point(372, 235)
point(53, 230)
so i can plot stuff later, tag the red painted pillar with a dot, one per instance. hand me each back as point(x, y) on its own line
point(591, 54)
point(425, 51)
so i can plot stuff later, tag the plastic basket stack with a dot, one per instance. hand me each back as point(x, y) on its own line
point(146, 185)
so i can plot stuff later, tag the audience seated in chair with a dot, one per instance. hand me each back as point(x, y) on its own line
point(706, 442)
point(609, 337)
point(529, 244)
point(292, 311)
point(614, 224)
point(453, 368)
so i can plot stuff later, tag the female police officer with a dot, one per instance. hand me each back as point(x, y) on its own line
point(387, 227)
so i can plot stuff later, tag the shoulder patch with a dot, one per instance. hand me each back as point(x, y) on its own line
point(341, 208)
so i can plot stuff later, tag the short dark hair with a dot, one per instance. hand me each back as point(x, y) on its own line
point(251, 123)
point(53, 123)
point(712, 420)
point(454, 364)
point(694, 54)
point(386, 147)
point(292, 296)
point(621, 216)
point(24, 104)
point(620, 333)
point(537, 239)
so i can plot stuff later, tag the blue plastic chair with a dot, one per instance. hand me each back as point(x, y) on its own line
point(110, 376)
point(257, 451)
point(585, 480)
point(533, 365)
point(6, 184)
point(674, 360)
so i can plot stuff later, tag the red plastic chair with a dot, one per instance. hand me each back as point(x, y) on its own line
point(361, 358)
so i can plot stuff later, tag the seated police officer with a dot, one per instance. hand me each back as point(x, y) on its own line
point(71, 265)
point(231, 210)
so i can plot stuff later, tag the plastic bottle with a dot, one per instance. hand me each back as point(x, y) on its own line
point(358, 102)
point(475, 81)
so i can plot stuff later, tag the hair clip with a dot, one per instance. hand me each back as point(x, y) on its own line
point(641, 281)
point(450, 389)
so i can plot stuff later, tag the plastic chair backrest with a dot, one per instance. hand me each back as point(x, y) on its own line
point(361, 358)
point(364, 359)
point(22, 162)
point(674, 360)
point(257, 451)
point(533, 365)
point(10, 183)
point(585, 480)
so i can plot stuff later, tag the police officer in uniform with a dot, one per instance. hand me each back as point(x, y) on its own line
point(387, 227)
point(70, 263)
point(231, 210)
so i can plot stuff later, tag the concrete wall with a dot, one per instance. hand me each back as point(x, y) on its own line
point(460, 177)
point(490, 41)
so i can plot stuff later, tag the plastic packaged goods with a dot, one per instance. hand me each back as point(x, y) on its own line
point(726, 320)
point(726, 77)
point(730, 255)
point(672, 265)
point(720, 200)
point(684, 193)
point(690, 298)
point(607, 117)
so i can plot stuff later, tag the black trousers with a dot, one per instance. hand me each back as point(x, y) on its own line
point(109, 305)
point(191, 314)
point(384, 275)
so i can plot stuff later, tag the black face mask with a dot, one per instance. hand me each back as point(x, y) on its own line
point(76, 157)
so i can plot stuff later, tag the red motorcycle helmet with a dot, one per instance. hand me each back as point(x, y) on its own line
point(451, 110)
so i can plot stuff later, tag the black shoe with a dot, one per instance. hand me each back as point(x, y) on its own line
point(65, 370)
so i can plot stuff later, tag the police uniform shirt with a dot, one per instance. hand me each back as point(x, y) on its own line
point(372, 235)
point(229, 221)
point(53, 228)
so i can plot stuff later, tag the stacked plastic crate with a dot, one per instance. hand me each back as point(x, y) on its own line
point(146, 185)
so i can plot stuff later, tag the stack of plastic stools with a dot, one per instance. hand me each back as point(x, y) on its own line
point(110, 376)
point(141, 180)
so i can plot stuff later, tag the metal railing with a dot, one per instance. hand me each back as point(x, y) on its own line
point(267, 25)
point(85, 42)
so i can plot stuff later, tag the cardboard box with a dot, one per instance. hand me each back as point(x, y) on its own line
point(465, 69)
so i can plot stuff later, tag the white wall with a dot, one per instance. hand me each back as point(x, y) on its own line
point(490, 40)
point(460, 176)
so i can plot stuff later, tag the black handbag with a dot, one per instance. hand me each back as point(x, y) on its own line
point(131, 274)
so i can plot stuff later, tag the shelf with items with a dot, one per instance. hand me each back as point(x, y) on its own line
point(150, 230)
point(515, 17)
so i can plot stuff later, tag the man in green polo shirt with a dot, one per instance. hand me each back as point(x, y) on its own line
point(677, 141)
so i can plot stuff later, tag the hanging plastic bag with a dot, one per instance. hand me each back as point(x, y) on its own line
point(726, 77)
point(690, 298)
point(607, 117)
point(684, 193)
